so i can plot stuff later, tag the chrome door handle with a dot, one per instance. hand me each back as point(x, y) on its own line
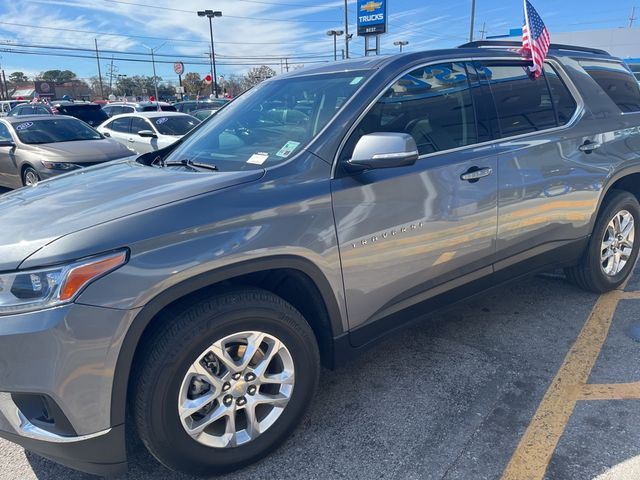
point(589, 147)
point(474, 174)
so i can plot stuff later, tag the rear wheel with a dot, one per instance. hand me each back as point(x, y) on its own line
point(30, 176)
point(224, 382)
point(613, 248)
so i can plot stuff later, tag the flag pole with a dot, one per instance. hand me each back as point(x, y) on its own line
point(528, 25)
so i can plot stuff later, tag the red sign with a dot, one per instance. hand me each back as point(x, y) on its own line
point(208, 80)
point(152, 98)
point(178, 67)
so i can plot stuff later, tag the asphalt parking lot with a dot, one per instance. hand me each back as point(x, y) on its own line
point(534, 380)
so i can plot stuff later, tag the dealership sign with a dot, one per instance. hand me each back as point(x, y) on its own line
point(372, 17)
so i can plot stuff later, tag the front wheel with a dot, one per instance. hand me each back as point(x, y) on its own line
point(224, 382)
point(613, 248)
point(30, 177)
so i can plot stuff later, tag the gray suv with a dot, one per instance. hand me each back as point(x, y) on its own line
point(191, 295)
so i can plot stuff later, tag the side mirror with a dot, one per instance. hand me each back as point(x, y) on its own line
point(383, 150)
point(7, 143)
point(107, 134)
point(147, 134)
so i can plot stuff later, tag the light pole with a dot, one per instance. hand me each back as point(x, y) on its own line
point(210, 14)
point(118, 80)
point(347, 37)
point(335, 34)
point(473, 19)
point(153, 62)
point(401, 43)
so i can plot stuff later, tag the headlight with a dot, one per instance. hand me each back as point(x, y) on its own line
point(59, 165)
point(48, 287)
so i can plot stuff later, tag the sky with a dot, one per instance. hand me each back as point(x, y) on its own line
point(253, 32)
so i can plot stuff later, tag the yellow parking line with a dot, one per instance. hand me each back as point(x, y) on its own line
point(630, 296)
point(532, 456)
point(614, 391)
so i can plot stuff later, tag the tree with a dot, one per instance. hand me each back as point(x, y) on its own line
point(257, 75)
point(57, 76)
point(192, 83)
point(18, 77)
point(233, 85)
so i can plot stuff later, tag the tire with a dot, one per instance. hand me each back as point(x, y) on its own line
point(174, 348)
point(30, 176)
point(590, 273)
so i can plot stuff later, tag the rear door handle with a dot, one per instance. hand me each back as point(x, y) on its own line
point(475, 173)
point(588, 146)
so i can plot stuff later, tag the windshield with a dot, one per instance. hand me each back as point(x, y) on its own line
point(54, 131)
point(174, 125)
point(270, 123)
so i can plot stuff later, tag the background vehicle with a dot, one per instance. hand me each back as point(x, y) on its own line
point(40, 147)
point(31, 109)
point(205, 283)
point(119, 108)
point(7, 105)
point(90, 113)
point(204, 113)
point(147, 131)
point(189, 106)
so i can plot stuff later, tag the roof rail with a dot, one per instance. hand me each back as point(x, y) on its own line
point(514, 43)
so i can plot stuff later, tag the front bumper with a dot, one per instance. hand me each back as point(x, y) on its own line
point(64, 358)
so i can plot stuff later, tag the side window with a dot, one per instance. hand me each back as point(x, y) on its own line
point(138, 124)
point(4, 133)
point(617, 82)
point(563, 101)
point(432, 104)
point(524, 105)
point(120, 125)
point(128, 109)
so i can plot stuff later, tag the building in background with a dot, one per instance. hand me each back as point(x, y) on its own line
point(620, 42)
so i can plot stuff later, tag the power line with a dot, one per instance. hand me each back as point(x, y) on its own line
point(179, 10)
point(107, 34)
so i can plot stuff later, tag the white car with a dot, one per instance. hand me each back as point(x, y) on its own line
point(144, 132)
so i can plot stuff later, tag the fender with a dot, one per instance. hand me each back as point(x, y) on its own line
point(610, 181)
point(150, 310)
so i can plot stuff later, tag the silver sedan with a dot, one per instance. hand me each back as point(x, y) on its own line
point(37, 147)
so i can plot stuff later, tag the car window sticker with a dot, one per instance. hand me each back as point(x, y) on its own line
point(24, 126)
point(288, 149)
point(258, 158)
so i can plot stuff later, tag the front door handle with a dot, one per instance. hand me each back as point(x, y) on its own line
point(474, 174)
point(589, 146)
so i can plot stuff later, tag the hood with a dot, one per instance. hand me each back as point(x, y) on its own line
point(84, 151)
point(32, 217)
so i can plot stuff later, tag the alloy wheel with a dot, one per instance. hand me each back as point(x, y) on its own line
point(617, 243)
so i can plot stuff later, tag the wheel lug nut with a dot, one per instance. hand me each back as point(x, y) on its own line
point(241, 401)
point(226, 386)
point(236, 376)
point(228, 400)
point(250, 377)
point(252, 390)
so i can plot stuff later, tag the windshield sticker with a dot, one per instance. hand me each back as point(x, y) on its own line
point(356, 81)
point(24, 126)
point(258, 158)
point(162, 120)
point(288, 149)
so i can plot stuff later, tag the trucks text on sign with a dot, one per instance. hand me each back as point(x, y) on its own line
point(372, 17)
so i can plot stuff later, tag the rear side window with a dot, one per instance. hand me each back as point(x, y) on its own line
point(139, 124)
point(120, 125)
point(524, 105)
point(432, 104)
point(617, 82)
point(92, 114)
point(563, 102)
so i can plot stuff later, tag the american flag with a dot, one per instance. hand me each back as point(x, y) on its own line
point(535, 39)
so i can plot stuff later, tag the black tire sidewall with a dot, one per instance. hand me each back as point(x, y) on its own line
point(617, 202)
point(175, 448)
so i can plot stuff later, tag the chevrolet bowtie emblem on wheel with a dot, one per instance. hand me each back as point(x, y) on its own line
point(370, 7)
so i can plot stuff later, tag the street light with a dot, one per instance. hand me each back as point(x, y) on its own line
point(210, 14)
point(401, 43)
point(335, 34)
point(153, 61)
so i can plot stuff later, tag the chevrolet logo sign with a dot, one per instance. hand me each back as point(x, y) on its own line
point(371, 6)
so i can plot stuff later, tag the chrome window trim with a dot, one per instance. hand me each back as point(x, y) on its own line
point(557, 67)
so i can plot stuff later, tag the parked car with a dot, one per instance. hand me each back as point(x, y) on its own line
point(189, 106)
point(25, 109)
point(90, 113)
point(7, 105)
point(40, 147)
point(192, 294)
point(204, 113)
point(148, 131)
point(118, 108)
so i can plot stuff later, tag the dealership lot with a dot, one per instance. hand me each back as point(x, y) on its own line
point(451, 397)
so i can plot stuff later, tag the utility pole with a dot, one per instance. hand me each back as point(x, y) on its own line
point(473, 19)
point(99, 72)
point(111, 73)
point(484, 30)
point(286, 64)
point(347, 37)
point(632, 17)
